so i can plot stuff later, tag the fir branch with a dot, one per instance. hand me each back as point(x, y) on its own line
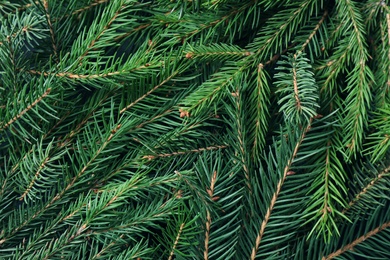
point(207, 236)
point(240, 136)
point(230, 14)
point(68, 138)
point(286, 173)
point(319, 24)
point(70, 185)
point(272, 35)
point(150, 120)
point(359, 81)
point(107, 248)
point(216, 51)
point(102, 31)
point(84, 8)
point(295, 84)
point(70, 75)
point(211, 89)
point(298, 89)
point(210, 191)
point(262, 92)
point(27, 109)
point(328, 188)
point(156, 119)
point(176, 241)
point(199, 150)
point(36, 176)
point(172, 75)
point(368, 188)
point(357, 241)
point(52, 34)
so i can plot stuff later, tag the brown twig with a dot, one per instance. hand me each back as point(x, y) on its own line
point(357, 241)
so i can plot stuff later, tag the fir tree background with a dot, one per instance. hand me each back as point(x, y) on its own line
point(193, 129)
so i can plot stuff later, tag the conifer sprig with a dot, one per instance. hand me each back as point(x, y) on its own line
point(196, 129)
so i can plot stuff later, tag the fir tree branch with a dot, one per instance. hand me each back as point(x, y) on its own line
point(216, 51)
point(67, 139)
point(192, 187)
point(231, 14)
point(359, 98)
point(70, 185)
point(86, 8)
point(295, 84)
point(150, 91)
point(107, 248)
point(176, 241)
point(36, 176)
point(70, 75)
point(81, 230)
point(210, 191)
point(212, 88)
point(261, 121)
point(265, 44)
point(52, 33)
point(371, 185)
point(199, 150)
point(207, 236)
point(150, 120)
point(24, 111)
point(159, 114)
point(357, 241)
point(240, 136)
point(286, 173)
point(324, 16)
point(102, 31)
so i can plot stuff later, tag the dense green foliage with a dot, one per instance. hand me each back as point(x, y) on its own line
point(193, 129)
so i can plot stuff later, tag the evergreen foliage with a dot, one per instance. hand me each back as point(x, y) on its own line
point(222, 129)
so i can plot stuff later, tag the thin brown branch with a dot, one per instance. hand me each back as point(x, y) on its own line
point(18, 116)
point(88, 76)
point(216, 147)
point(208, 217)
point(104, 249)
point(52, 37)
point(295, 82)
point(106, 27)
point(207, 236)
point(176, 241)
point(240, 137)
point(149, 92)
point(151, 120)
point(286, 173)
point(190, 55)
point(37, 173)
point(259, 88)
point(139, 28)
point(325, 209)
point(79, 232)
point(359, 240)
point(314, 31)
point(83, 9)
point(277, 56)
point(380, 176)
point(96, 2)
